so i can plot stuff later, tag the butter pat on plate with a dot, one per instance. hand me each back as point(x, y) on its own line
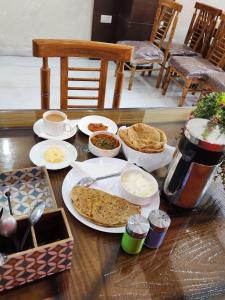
point(54, 155)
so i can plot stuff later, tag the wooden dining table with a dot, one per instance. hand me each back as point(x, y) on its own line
point(190, 264)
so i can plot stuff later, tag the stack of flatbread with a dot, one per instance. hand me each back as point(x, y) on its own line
point(102, 208)
point(144, 138)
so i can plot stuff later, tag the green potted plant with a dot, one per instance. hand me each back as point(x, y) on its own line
point(212, 107)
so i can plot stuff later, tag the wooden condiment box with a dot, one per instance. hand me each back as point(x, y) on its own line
point(48, 250)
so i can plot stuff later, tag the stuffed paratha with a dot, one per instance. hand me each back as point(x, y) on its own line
point(102, 208)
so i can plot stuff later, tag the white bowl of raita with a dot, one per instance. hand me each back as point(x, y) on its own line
point(138, 186)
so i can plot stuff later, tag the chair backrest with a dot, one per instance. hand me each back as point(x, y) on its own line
point(64, 49)
point(202, 27)
point(165, 23)
point(216, 53)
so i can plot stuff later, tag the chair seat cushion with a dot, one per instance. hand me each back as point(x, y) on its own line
point(178, 49)
point(193, 67)
point(145, 52)
point(217, 81)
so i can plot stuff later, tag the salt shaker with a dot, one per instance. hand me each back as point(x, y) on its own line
point(134, 236)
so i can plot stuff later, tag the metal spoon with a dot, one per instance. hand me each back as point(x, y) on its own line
point(1, 212)
point(34, 217)
point(8, 227)
point(3, 258)
point(8, 194)
point(87, 181)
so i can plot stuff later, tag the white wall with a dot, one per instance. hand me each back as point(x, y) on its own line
point(23, 20)
point(186, 14)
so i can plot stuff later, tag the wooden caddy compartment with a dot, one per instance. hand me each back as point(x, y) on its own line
point(48, 250)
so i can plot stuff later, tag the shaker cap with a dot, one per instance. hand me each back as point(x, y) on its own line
point(195, 131)
point(159, 219)
point(138, 226)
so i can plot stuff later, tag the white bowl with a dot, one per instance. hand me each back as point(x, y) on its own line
point(136, 199)
point(102, 152)
point(148, 161)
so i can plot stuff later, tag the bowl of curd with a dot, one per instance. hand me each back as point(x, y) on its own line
point(138, 187)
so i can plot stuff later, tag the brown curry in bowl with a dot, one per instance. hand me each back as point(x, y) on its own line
point(105, 141)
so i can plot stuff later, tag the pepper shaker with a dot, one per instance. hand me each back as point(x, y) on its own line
point(159, 223)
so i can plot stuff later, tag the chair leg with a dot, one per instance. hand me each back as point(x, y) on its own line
point(150, 71)
point(194, 86)
point(203, 93)
point(117, 67)
point(143, 73)
point(164, 79)
point(184, 92)
point(133, 71)
point(159, 78)
point(167, 80)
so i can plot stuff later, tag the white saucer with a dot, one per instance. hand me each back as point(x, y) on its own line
point(37, 154)
point(39, 131)
point(85, 121)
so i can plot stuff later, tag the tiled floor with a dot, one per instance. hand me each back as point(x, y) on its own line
point(20, 85)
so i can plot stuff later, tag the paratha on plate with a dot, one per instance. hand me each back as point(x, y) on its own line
point(102, 208)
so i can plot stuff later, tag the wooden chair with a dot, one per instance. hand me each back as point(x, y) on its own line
point(147, 53)
point(200, 32)
point(215, 82)
point(194, 70)
point(64, 49)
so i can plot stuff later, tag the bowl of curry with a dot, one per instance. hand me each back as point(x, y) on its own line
point(104, 143)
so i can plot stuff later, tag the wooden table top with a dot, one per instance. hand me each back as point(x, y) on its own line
point(189, 265)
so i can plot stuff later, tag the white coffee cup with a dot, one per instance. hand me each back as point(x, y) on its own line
point(56, 122)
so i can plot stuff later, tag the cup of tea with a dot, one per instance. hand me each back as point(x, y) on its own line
point(56, 122)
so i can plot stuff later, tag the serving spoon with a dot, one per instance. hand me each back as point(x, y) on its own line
point(87, 181)
point(34, 217)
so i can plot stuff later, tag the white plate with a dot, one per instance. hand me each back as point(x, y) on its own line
point(38, 150)
point(39, 131)
point(95, 167)
point(84, 122)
